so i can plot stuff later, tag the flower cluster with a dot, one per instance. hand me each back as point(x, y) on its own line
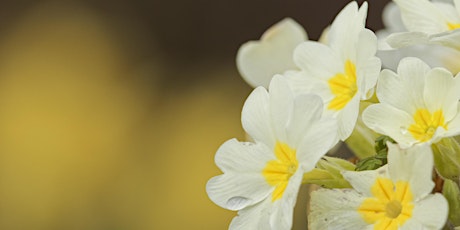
point(402, 122)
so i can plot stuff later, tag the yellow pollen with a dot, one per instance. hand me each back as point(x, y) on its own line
point(278, 172)
point(391, 205)
point(425, 124)
point(453, 26)
point(343, 86)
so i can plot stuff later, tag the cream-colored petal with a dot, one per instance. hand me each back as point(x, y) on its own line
point(390, 90)
point(255, 217)
point(345, 30)
point(404, 90)
point(414, 165)
point(390, 121)
point(281, 106)
point(457, 6)
point(370, 72)
point(299, 81)
point(283, 209)
point(242, 183)
point(412, 71)
point(335, 209)
point(255, 117)
point(391, 17)
point(348, 117)
point(448, 39)
point(431, 212)
point(268, 215)
point(307, 111)
point(367, 65)
point(367, 46)
point(362, 181)
point(317, 60)
point(234, 156)
point(259, 61)
point(235, 191)
point(442, 92)
point(403, 39)
point(422, 16)
point(449, 12)
point(454, 124)
point(317, 141)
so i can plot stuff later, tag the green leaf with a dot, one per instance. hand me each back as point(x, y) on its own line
point(378, 160)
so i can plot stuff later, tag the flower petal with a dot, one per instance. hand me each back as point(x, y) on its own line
point(368, 66)
point(449, 39)
point(253, 217)
point(362, 181)
point(345, 29)
point(390, 121)
point(281, 106)
point(335, 209)
point(454, 124)
point(421, 15)
point(414, 165)
point(405, 90)
point(317, 60)
point(317, 141)
point(235, 156)
point(259, 61)
point(367, 46)
point(348, 117)
point(442, 92)
point(255, 117)
point(242, 183)
point(307, 110)
point(237, 191)
point(431, 212)
point(403, 39)
point(283, 209)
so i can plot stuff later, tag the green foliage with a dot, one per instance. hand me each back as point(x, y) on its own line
point(379, 159)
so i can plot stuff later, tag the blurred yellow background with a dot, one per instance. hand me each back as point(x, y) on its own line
point(107, 122)
point(89, 140)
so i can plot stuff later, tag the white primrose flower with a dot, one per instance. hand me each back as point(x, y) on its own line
point(261, 179)
point(428, 23)
point(433, 55)
point(343, 71)
point(417, 104)
point(395, 196)
point(259, 61)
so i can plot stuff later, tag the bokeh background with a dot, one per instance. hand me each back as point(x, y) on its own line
point(111, 111)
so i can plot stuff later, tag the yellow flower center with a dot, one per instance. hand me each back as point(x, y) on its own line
point(453, 26)
point(343, 86)
point(391, 205)
point(278, 172)
point(425, 124)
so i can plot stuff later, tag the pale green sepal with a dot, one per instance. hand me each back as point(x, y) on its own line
point(327, 173)
point(446, 154)
point(361, 140)
point(451, 192)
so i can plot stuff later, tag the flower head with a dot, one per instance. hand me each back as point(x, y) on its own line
point(261, 179)
point(417, 105)
point(395, 196)
point(428, 22)
point(344, 71)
